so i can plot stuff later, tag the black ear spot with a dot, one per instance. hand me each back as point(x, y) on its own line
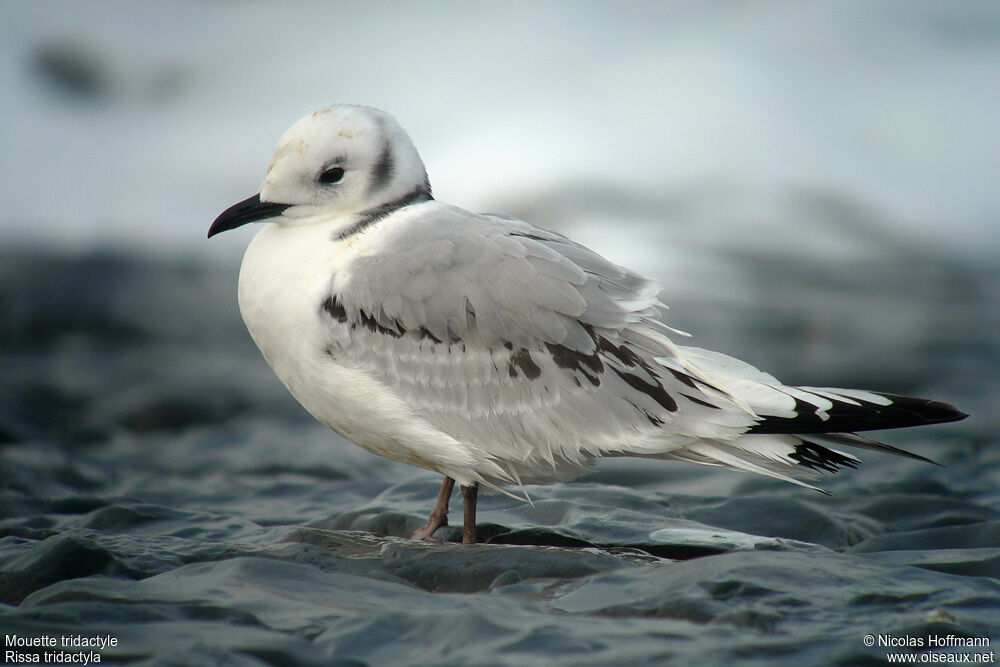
point(331, 176)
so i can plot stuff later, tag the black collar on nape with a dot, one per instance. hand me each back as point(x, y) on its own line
point(376, 213)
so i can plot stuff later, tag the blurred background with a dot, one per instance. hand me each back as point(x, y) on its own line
point(130, 124)
point(816, 185)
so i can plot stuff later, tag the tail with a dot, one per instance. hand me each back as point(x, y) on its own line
point(793, 428)
point(851, 411)
point(796, 446)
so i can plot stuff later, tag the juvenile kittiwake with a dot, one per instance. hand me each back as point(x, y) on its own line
point(494, 352)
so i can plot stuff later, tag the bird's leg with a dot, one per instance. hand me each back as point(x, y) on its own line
point(469, 519)
point(439, 515)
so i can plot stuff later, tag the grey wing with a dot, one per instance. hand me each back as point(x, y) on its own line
point(522, 342)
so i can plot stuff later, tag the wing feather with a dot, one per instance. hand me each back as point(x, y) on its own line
point(546, 356)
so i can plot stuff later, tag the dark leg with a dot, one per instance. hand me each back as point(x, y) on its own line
point(469, 520)
point(439, 515)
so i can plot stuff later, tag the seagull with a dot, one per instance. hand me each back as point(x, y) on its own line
point(491, 351)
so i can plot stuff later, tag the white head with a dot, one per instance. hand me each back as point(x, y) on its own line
point(345, 159)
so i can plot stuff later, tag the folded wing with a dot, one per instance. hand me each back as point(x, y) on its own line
point(547, 356)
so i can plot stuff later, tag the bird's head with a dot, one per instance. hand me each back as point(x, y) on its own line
point(336, 161)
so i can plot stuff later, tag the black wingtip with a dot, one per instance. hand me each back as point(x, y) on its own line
point(861, 442)
point(855, 414)
point(904, 452)
point(924, 411)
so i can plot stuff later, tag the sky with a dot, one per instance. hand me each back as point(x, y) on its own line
point(131, 125)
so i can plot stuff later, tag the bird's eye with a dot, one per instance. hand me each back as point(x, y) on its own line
point(331, 175)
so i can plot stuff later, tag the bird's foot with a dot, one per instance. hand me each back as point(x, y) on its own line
point(427, 530)
point(439, 516)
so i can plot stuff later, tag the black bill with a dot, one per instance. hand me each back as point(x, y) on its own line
point(251, 209)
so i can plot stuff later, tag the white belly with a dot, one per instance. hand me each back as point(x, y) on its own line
point(287, 273)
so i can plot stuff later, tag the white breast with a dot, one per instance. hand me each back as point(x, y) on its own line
point(287, 273)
